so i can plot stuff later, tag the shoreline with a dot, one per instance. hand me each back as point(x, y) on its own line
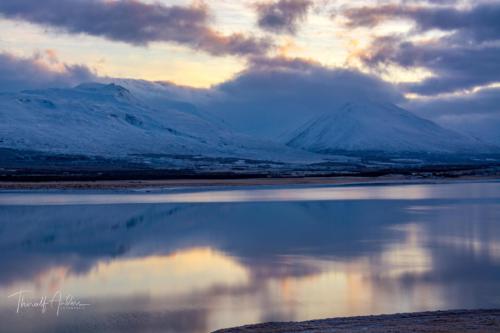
point(454, 321)
point(232, 182)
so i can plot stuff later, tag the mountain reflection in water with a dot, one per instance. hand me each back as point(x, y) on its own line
point(199, 266)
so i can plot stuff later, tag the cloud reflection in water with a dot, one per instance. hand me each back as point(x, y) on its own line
point(225, 264)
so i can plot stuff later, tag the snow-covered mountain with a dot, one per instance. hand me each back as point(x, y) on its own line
point(378, 127)
point(148, 126)
point(164, 94)
point(108, 120)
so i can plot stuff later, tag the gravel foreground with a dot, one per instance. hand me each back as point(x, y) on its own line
point(461, 321)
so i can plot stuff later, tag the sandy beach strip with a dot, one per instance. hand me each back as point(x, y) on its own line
point(174, 183)
point(168, 183)
point(462, 321)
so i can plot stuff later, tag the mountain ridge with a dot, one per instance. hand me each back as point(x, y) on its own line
point(382, 127)
point(109, 121)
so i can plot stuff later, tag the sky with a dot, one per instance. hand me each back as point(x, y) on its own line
point(442, 56)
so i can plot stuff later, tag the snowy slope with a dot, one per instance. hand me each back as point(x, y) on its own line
point(378, 127)
point(152, 125)
point(108, 120)
point(165, 94)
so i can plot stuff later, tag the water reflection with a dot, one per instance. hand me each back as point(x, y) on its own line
point(196, 267)
point(249, 194)
point(189, 271)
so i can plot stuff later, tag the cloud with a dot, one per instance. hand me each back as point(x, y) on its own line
point(476, 113)
point(135, 22)
point(478, 23)
point(282, 16)
point(465, 58)
point(277, 94)
point(484, 102)
point(42, 70)
point(454, 67)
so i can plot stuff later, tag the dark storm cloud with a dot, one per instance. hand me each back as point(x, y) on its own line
point(455, 67)
point(18, 73)
point(477, 114)
point(478, 23)
point(485, 102)
point(465, 58)
point(283, 16)
point(134, 22)
point(274, 95)
point(288, 76)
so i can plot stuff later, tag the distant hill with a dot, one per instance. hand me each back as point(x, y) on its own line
point(379, 127)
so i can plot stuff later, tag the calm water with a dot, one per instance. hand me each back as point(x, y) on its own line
point(178, 261)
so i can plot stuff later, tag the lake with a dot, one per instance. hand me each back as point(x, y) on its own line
point(196, 260)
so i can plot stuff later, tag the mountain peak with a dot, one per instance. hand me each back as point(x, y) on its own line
point(371, 126)
point(110, 89)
